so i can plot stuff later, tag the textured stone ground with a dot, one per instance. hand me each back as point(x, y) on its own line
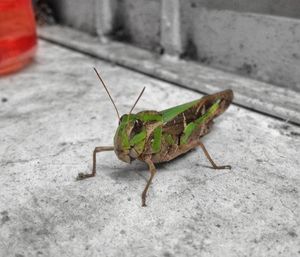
point(55, 112)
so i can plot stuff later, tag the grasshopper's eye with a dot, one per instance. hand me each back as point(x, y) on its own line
point(138, 125)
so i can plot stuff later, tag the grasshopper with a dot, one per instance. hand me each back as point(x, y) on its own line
point(155, 137)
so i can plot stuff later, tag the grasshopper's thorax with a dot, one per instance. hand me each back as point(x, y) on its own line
point(132, 134)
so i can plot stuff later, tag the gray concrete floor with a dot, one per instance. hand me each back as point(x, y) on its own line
point(54, 113)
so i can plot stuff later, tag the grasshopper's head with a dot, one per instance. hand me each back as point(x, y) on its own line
point(130, 138)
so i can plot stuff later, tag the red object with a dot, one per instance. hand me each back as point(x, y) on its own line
point(17, 34)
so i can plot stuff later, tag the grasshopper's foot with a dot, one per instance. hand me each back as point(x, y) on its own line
point(214, 166)
point(144, 200)
point(222, 167)
point(82, 176)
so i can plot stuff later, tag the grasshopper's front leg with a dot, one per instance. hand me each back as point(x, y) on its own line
point(97, 150)
point(152, 170)
point(215, 166)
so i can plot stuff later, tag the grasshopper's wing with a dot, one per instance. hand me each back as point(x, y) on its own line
point(177, 118)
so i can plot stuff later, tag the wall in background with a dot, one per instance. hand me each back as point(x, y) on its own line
point(76, 13)
point(138, 22)
point(260, 46)
point(286, 8)
point(259, 39)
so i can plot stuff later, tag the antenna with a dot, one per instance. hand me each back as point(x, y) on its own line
point(107, 92)
point(137, 100)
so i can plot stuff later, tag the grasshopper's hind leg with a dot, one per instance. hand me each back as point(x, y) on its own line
point(97, 150)
point(215, 166)
point(152, 170)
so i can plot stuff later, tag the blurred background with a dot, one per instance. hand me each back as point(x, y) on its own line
point(258, 39)
point(177, 41)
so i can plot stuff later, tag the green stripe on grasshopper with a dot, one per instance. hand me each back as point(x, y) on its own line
point(171, 113)
point(124, 138)
point(126, 118)
point(156, 144)
point(187, 132)
point(139, 146)
point(138, 138)
point(121, 131)
point(149, 117)
point(190, 128)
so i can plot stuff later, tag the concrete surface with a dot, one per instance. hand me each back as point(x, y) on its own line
point(280, 102)
point(55, 112)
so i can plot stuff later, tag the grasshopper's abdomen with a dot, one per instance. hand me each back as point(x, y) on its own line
point(183, 126)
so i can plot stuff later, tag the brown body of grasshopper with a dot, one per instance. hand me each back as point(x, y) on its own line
point(155, 137)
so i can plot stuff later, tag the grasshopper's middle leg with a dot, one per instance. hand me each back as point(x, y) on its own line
point(97, 150)
point(152, 170)
point(215, 166)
